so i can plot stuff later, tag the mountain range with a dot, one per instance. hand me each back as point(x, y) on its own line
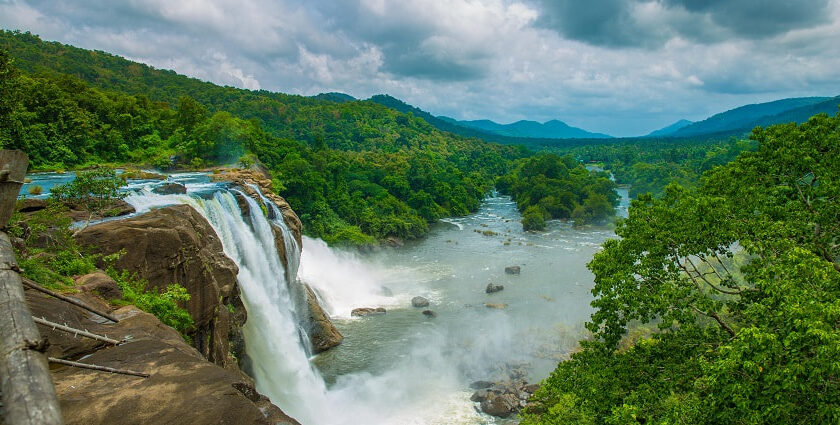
point(735, 122)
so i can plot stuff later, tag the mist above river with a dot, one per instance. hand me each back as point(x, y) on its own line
point(391, 368)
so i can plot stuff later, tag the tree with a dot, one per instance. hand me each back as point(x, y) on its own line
point(741, 279)
point(95, 191)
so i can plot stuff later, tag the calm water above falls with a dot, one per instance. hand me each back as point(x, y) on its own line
point(402, 367)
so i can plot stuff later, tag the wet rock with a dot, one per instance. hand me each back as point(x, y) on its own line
point(500, 405)
point(322, 333)
point(531, 388)
point(99, 283)
point(480, 385)
point(170, 189)
point(479, 396)
point(512, 270)
point(493, 287)
point(429, 313)
point(394, 242)
point(367, 311)
point(419, 302)
point(142, 175)
point(497, 306)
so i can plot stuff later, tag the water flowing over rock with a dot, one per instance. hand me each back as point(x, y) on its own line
point(367, 311)
point(282, 315)
point(170, 189)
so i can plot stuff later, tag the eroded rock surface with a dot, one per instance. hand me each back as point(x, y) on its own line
point(183, 387)
point(175, 244)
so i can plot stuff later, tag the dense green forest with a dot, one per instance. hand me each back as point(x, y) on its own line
point(547, 186)
point(741, 276)
point(649, 165)
point(354, 171)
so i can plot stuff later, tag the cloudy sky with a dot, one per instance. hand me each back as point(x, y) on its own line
point(624, 67)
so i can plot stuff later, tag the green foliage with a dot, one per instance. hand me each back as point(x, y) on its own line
point(548, 185)
point(651, 165)
point(354, 172)
point(533, 218)
point(163, 305)
point(742, 277)
point(94, 190)
point(49, 255)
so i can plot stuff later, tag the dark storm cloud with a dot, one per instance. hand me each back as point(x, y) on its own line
point(651, 23)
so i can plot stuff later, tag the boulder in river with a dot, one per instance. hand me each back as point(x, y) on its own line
point(322, 333)
point(502, 398)
point(367, 311)
point(419, 302)
point(170, 189)
point(493, 287)
point(497, 306)
point(512, 269)
point(500, 405)
point(480, 385)
point(429, 313)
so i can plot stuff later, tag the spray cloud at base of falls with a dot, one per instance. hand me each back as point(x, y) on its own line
point(278, 358)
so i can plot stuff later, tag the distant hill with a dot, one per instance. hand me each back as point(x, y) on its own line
point(801, 114)
point(334, 97)
point(489, 130)
point(671, 129)
point(553, 129)
point(746, 117)
point(441, 123)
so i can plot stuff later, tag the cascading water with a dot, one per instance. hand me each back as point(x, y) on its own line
point(292, 249)
point(279, 361)
point(401, 367)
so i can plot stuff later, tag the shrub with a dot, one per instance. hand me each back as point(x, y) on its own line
point(163, 305)
point(35, 190)
point(533, 218)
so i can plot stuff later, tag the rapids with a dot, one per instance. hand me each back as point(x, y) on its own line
point(401, 367)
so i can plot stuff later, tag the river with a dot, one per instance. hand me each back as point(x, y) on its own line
point(403, 367)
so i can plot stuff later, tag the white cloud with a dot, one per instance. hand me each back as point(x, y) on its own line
point(469, 59)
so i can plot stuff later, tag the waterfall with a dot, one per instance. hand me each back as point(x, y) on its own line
point(280, 364)
point(292, 248)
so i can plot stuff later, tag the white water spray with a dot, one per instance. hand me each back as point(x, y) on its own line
point(280, 365)
point(404, 394)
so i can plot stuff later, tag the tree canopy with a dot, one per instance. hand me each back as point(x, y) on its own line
point(741, 278)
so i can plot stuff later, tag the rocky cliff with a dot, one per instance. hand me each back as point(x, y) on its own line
point(201, 383)
point(183, 387)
